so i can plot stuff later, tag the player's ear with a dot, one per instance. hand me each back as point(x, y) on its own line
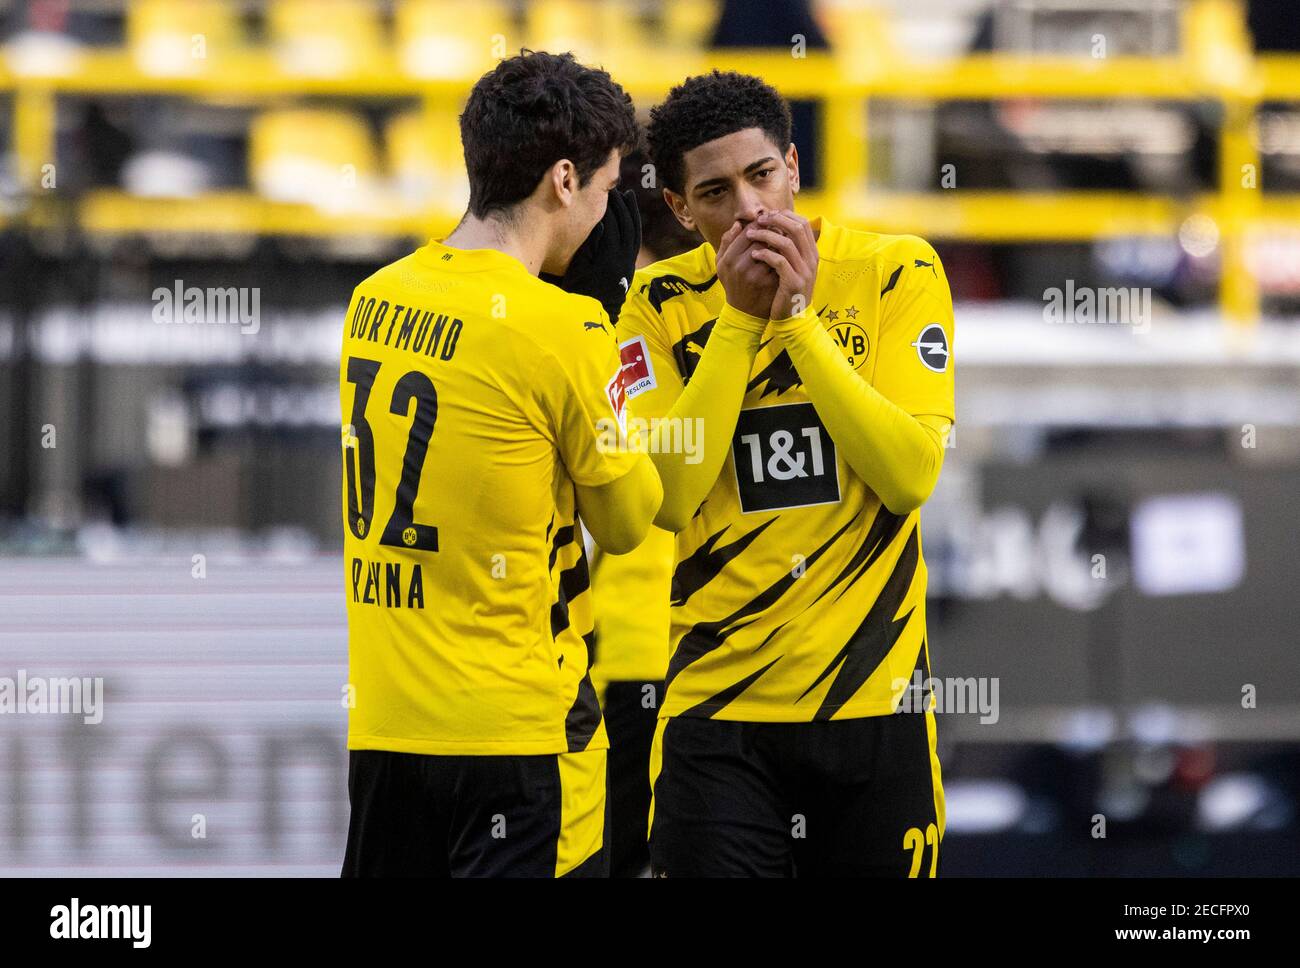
point(562, 178)
point(792, 166)
point(677, 204)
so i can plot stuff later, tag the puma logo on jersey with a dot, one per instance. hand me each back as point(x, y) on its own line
point(921, 263)
point(599, 326)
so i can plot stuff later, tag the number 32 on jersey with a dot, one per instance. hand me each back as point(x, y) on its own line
point(401, 531)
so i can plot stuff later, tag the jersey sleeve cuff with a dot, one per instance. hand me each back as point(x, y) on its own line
point(742, 320)
point(793, 325)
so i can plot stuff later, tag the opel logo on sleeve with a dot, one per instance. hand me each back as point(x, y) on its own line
point(932, 348)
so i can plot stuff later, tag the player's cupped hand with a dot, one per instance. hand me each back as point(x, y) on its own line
point(784, 242)
point(750, 285)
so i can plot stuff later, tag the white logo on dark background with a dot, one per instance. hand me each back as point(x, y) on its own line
point(123, 922)
point(932, 348)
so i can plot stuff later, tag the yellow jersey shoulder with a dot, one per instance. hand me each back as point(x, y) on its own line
point(534, 308)
point(690, 271)
point(395, 275)
point(553, 318)
point(901, 263)
point(695, 265)
point(851, 245)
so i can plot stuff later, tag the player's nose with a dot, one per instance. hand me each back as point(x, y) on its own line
point(751, 207)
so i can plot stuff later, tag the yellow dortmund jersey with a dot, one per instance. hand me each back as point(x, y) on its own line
point(473, 397)
point(796, 595)
point(631, 601)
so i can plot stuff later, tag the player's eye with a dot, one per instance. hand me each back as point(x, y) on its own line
point(714, 192)
point(764, 173)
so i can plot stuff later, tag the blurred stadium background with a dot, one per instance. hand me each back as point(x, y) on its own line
point(169, 492)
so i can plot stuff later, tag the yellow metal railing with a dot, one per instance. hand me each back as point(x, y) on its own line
point(1215, 63)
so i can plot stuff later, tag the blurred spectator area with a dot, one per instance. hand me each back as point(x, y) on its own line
point(282, 149)
point(996, 123)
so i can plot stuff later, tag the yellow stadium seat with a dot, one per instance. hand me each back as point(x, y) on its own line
point(179, 38)
point(620, 27)
point(425, 160)
point(314, 156)
point(690, 23)
point(863, 37)
point(325, 38)
point(453, 39)
point(564, 25)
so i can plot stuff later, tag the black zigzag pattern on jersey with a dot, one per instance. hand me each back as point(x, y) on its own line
point(885, 527)
point(706, 562)
point(688, 349)
point(871, 642)
point(919, 690)
point(779, 375)
point(893, 280)
point(770, 636)
point(573, 580)
point(562, 537)
point(705, 637)
point(663, 288)
point(583, 717)
point(715, 703)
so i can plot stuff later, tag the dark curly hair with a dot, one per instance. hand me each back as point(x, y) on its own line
point(709, 106)
point(530, 111)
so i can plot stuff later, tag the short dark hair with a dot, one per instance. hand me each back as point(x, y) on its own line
point(530, 111)
point(710, 106)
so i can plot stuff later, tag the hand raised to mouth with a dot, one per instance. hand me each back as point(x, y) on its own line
point(750, 285)
point(786, 244)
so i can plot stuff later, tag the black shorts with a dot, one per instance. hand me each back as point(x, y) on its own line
point(415, 815)
point(845, 798)
point(630, 717)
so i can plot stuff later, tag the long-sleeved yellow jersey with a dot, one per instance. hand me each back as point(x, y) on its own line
point(796, 595)
point(473, 397)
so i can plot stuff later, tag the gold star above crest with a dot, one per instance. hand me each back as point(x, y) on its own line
point(833, 315)
point(851, 312)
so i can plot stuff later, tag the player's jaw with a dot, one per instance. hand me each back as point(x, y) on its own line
point(736, 177)
point(575, 210)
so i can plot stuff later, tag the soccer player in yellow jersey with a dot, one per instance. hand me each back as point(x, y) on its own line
point(478, 404)
point(816, 363)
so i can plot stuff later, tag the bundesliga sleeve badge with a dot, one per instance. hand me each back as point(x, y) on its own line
point(638, 372)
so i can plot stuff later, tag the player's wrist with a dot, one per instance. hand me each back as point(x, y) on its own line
point(740, 319)
point(794, 325)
